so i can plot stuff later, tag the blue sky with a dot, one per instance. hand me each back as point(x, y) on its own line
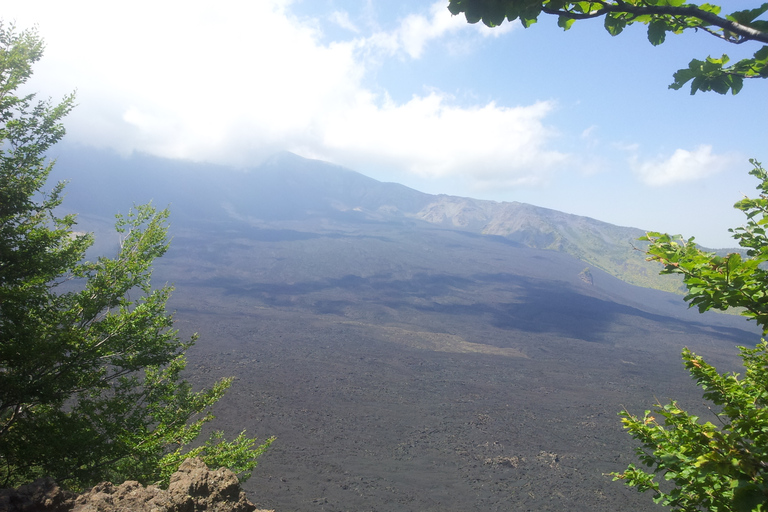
point(578, 121)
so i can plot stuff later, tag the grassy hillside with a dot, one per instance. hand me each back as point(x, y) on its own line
point(611, 248)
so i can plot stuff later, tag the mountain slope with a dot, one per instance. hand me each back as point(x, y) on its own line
point(404, 359)
point(288, 188)
point(608, 247)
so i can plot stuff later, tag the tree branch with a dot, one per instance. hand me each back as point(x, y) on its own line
point(745, 32)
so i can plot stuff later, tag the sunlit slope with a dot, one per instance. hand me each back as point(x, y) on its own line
point(611, 248)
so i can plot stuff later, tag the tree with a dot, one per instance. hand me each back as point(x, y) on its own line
point(661, 17)
point(721, 467)
point(90, 366)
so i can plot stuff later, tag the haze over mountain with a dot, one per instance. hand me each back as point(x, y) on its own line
point(290, 188)
point(410, 351)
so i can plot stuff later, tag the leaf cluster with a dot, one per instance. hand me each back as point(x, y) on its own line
point(661, 18)
point(722, 466)
point(718, 467)
point(721, 282)
point(91, 368)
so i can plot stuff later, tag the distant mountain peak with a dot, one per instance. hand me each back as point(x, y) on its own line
point(282, 158)
point(290, 188)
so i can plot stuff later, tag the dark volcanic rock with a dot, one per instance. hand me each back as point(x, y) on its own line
point(38, 496)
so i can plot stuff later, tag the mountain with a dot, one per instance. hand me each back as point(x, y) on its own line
point(290, 188)
point(410, 352)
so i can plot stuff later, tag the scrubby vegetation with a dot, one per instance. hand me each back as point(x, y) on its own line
point(90, 365)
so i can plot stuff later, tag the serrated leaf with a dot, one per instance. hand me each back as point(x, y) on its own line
point(714, 9)
point(493, 17)
point(682, 76)
point(657, 32)
point(747, 16)
point(614, 25)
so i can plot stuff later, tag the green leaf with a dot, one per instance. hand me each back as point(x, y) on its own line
point(528, 21)
point(737, 83)
point(717, 467)
point(565, 22)
point(746, 17)
point(746, 498)
point(90, 379)
point(614, 25)
point(683, 76)
point(721, 84)
point(657, 32)
point(713, 9)
point(697, 84)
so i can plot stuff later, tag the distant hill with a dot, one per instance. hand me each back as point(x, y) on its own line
point(611, 248)
point(290, 188)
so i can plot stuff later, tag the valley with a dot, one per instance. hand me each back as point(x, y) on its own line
point(412, 365)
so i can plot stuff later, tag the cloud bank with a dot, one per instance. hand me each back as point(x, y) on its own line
point(236, 83)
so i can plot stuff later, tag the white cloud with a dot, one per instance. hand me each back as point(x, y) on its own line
point(341, 18)
point(432, 137)
point(627, 147)
point(682, 166)
point(416, 31)
point(589, 133)
point(234, 84)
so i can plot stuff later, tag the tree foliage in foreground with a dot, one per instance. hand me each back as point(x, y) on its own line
point(719, 465)
point(661, 17)
point(723, 282)
point(90, 366)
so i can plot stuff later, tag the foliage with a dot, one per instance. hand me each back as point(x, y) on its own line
point(90, 377)
point(661, 17)
point(730, 281)
point(714, 467)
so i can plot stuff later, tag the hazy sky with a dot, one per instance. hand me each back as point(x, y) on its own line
point(402, 91)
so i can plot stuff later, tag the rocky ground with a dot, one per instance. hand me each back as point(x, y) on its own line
point(194, 488)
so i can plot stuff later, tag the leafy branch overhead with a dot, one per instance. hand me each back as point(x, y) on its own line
point(661, 17)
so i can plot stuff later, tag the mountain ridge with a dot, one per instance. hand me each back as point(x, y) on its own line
point(287, 187)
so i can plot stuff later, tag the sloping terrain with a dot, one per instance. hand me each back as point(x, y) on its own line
point(433, 371)
point(289, 187)
point(405, 364)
